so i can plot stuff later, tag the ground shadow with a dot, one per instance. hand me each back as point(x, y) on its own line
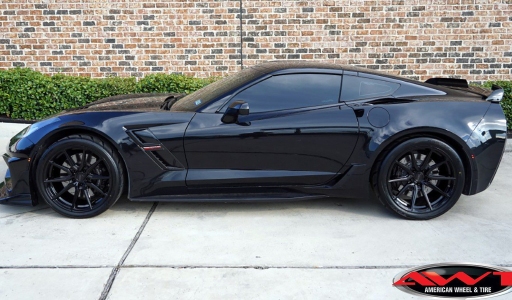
point(369, 207)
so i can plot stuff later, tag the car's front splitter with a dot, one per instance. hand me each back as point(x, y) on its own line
point(15, 189)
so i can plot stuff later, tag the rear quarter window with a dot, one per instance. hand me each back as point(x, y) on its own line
point(356, 88)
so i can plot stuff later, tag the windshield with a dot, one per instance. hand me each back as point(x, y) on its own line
point(213, 91)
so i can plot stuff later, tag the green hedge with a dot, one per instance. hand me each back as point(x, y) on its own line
point(30, 95)
point(27, 94)
point(168, 83)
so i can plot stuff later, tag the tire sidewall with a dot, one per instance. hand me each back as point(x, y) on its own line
point(418, 144)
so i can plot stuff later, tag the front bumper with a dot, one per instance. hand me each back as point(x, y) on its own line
point(15, 189)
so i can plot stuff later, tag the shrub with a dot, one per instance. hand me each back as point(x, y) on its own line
point(24, 93)
point(162, 83)
point(30, 95)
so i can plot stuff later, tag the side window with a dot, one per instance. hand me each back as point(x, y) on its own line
point(355, 88)
point(291, 91)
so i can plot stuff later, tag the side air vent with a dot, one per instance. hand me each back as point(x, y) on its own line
point(159, 158)
point(461, 83)
point(167, 159)
point(154, 149)
point(145, 136)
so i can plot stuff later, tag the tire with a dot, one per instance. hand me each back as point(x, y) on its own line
point(76, 187)
point(419, 179)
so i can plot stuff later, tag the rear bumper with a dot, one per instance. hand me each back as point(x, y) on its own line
point(487, 143)
point(15, 189)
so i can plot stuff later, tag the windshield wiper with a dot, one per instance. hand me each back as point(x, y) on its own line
point(169, 101)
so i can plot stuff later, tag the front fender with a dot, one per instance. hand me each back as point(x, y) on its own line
point(111, 126)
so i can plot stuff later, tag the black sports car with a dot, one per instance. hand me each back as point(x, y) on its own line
point(276, 131)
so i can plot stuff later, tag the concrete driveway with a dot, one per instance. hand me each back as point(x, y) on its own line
point(334, 248)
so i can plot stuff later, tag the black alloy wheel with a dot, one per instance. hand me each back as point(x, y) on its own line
point(80, 176)
point(421, 178)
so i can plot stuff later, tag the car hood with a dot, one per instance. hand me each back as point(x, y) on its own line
point(131, 102)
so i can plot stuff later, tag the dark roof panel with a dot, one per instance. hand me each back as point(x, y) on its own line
point(277, 65)
point(272, 66)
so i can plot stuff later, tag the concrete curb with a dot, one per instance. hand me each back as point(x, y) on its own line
point(8, 130)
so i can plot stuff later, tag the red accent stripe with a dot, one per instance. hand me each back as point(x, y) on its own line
point(152, 148)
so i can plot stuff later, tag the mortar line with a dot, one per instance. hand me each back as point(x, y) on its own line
point(241, 38)
point(115, 270)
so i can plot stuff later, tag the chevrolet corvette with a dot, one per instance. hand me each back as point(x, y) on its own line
point(277, 131)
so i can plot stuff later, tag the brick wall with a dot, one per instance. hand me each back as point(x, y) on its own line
point(419, 39)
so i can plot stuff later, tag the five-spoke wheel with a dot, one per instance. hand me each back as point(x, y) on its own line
point(421, 178)
point(80, 176)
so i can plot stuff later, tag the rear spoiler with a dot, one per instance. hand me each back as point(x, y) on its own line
point(461, 83)
point(495, 96)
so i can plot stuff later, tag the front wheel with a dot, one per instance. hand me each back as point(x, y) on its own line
point(422, 178)
point(80, 176)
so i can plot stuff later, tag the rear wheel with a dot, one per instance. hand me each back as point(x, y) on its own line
point(420, 179)
point(80, 176)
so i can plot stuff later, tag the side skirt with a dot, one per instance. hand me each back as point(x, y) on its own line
point(234, 197)
point(354, 183)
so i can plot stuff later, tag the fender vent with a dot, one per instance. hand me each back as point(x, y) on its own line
point(167, 159)
point(161, 155)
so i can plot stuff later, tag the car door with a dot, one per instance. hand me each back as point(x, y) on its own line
point(297, 133)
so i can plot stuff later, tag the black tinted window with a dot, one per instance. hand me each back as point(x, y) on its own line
point(213, 91)
point(292, 91)
point(355, 88)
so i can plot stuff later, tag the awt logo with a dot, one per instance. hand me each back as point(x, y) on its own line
point(455, 280)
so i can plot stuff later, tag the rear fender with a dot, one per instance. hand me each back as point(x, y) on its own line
point(420, 119)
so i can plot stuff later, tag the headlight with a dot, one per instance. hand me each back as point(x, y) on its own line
point(23, 136)
point(11, 147)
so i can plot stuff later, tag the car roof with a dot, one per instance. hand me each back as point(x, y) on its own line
point(282, 65)
point(278, 65)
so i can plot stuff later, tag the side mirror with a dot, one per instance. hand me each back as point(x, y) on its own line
point(235, 109)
